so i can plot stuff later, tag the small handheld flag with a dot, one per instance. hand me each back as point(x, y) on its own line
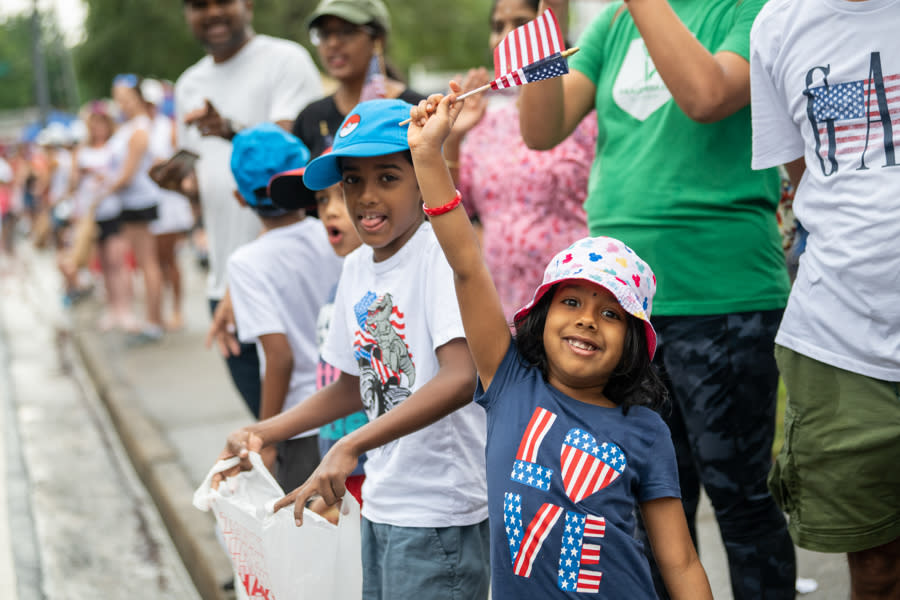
point(528, 43)
point(531, 52)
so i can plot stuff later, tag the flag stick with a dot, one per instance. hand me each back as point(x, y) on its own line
point(487, 86)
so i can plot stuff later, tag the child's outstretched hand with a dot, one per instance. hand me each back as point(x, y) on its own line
point(327, 481)
point(432, 120)
point(240, 443)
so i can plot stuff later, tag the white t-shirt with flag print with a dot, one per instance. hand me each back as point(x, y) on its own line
point(825, 81)
point(389, 319)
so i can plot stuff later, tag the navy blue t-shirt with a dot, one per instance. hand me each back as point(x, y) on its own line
point(564, 481)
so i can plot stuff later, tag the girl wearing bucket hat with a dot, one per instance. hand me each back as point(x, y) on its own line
point(576, 377)
point(351, 37)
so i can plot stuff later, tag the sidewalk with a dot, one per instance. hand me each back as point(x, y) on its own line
point(173, 404)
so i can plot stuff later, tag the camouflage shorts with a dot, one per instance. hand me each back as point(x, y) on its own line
point(723, 382)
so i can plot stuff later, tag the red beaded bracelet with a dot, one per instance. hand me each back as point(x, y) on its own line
point(440, 210)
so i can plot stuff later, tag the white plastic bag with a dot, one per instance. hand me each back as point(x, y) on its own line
point(273, 559)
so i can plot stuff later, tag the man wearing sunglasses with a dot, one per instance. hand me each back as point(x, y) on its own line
point(244, 79)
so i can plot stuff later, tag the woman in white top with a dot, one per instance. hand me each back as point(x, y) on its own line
point(130, 147)
point(176, 217)
point(93, 172)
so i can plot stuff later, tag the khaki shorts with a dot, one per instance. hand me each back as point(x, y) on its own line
point(838, 473)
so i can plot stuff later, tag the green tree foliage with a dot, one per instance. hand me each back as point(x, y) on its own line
point(440, 36)
point(16, 64)
point(151, 38)
point(147, 37)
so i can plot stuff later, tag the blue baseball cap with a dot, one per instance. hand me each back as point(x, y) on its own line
point(371, 129)
point(260, 152)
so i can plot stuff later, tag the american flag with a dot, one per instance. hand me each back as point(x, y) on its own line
point(525, 469)
point(853, 106)
point(364, 343)
point(546, 68)
point(588, 467)
point(525, 543)
point(575, 553)
point(528, 43)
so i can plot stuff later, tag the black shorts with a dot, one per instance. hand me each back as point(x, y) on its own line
point(108, 228)
point(141, 215)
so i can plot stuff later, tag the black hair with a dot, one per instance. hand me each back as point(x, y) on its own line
point(407, 154)
point(390, 69)
point(635, 380)
point(532, 4)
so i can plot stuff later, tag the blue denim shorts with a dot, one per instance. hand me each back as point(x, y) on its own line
point(438, 563)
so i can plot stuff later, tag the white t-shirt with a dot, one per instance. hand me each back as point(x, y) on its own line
point(141, 192)
point(389, 318)
point(836, 63)
point(174, 211)
point(95, 168)
point(59, 179)
point(278, 284)
point(270, 79)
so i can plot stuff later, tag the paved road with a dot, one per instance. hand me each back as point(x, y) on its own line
point(75, 522)
point(174, 403)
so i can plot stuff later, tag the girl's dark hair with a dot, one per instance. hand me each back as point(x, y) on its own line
point(635, 380)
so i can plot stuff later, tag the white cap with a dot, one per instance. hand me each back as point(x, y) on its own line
point(152, 91)
point(54, 134)
point(78, 131)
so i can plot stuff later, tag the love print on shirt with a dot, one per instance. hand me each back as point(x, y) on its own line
point(587, 467)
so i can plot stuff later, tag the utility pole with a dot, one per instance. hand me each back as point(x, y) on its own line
point(41, 88)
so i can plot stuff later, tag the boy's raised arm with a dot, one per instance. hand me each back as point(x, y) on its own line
point(487, 332)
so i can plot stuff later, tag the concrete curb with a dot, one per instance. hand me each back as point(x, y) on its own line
point(158, 467)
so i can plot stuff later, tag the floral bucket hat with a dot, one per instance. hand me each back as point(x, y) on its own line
point(607, 262)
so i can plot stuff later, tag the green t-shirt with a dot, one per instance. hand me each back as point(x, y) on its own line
point(681, 193)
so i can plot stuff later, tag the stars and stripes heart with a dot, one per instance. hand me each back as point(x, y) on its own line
point(588, 467)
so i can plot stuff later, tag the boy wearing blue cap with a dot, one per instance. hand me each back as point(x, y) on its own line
point(397, 338)
point(278, 283)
